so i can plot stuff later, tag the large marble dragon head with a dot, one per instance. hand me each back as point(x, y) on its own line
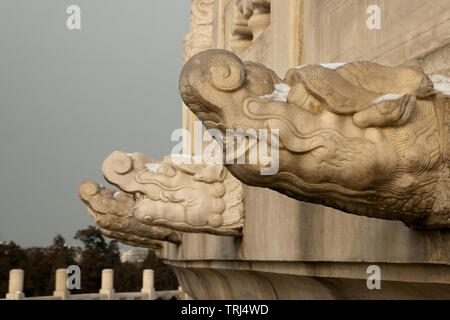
point(360, 137)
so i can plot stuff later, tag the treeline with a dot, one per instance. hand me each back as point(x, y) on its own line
point(97, 254)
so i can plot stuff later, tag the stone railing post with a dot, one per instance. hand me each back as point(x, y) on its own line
point(15, 288)
point(148, 280)
point(61, 285)
point(108, 283)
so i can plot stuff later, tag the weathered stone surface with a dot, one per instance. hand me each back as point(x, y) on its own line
point(293, 249)
point(158, 197)
point(112, 212)
point(258, 281)
point(133, 240)
point(360, 137)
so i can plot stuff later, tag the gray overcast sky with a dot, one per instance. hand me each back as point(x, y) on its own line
point(69, 98)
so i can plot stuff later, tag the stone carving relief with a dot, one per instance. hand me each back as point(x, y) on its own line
point(156, 198)
point(200, 36)
point(250, 19)
point(361, 137)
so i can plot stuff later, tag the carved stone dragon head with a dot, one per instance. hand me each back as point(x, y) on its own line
point(360, 137)
point(158, 197)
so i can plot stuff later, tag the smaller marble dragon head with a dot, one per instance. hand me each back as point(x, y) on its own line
point(156, 200)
